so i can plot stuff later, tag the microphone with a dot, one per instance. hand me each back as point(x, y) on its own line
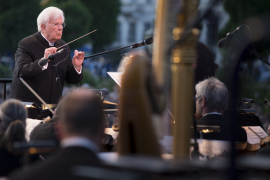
point(126, 55)
point(43, 61)
point(144, 42)
point(221, 43)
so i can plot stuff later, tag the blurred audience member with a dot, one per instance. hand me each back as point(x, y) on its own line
point(46, 130)
point(80, 127)
point(12, 128)
point(211, 99)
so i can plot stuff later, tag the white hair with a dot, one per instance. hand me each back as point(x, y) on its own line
point(214, 92)
point(46, 14)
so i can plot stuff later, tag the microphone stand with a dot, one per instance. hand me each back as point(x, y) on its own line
point(254, 52)
point(57, 75)
point(108, 51)
point(37, 96)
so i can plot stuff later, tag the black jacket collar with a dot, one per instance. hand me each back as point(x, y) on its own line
point(41, 39)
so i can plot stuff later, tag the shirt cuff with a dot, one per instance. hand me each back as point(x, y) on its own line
point(79, 72)
point(44, 67)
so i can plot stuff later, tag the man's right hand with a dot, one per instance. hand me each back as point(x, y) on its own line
point(49, 51)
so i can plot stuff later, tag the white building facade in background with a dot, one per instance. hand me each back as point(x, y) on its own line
point(138, 16)
point(134, 19)
point(216, 19)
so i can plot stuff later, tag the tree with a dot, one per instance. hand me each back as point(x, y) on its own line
point(247, 12)
point(78, 21)
point(100, 15)
point(104, 14)
point(240, 13)
point(17, 20)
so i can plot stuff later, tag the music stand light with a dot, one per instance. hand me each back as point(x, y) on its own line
point(101, 92)
point(30, 105)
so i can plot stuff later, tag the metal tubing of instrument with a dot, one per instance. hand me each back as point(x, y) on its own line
point(5, 81)
point(161, 44)
point(183, 56)
point(5, 89)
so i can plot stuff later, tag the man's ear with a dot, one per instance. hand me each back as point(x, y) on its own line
point(58, 130)
point(203, 102)
point(43, 27)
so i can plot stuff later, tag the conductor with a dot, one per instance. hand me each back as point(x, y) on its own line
point(31, 49)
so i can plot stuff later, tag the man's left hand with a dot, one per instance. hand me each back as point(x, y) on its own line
point(78, 60)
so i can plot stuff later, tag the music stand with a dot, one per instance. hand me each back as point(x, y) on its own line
point(101, 93)
point(109, 107)
point(30, 147)
point(245, 117)
point(205, 129)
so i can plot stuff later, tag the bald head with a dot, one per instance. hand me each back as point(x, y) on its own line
point(81, 113)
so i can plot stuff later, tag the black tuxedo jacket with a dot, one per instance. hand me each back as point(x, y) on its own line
point(44, 131)
point(30, 51)
point(59, 166)
point(225, 129)
point(9, 162)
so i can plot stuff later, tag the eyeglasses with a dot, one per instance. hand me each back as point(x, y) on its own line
point(57, 25)
point(196, 98)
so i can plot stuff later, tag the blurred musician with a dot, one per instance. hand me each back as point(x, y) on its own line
point(81, 128)
point(211, 99)
point(12, 129)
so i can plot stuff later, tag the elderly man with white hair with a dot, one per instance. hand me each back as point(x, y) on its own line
point(211, 100)
point(31, 49)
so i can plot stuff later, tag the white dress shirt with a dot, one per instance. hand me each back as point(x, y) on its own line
point(46, 65)
point(212, 113)
point(81, 142)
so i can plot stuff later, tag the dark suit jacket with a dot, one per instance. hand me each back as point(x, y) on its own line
point(30, 51)
point(265, 151)
point(225, 129)
point(60, 166)
point(9, 162)
point(44, 131)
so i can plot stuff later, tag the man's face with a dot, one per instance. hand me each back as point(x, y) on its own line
point(54, 29)
point(198, 105)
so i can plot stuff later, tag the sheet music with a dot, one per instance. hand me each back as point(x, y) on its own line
point(30, 125)
point(116, 76)
point(213, 149)
point(111, 132)
point(258, 131)
point(208, 148)
point(252, 138)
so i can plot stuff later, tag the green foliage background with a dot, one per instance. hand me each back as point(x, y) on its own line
point(18, 20)
point(104, 20)
point(251, 86)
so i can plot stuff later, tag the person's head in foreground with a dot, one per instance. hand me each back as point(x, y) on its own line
point(211, 96)
point(81, 115)
point(13, 115)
